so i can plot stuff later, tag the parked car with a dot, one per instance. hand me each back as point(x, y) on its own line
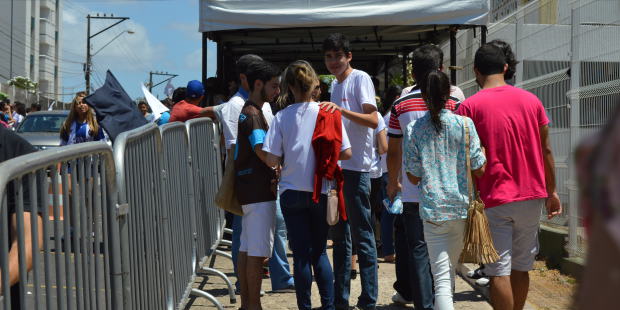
point(42, 129)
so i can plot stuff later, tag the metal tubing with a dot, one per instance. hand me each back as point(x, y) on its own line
point(231, 288)
point(199, 293)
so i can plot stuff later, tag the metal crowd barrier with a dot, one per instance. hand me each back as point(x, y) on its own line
point(204, 141)
point(75, 258)
point(128, 228)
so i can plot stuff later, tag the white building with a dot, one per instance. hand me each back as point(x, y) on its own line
point(30, 43)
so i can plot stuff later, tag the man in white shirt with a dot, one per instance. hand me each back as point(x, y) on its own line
point(353, 94)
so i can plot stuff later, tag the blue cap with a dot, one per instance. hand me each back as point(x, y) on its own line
point(195, 89)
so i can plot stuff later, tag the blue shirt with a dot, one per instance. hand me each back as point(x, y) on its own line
point(439, 159)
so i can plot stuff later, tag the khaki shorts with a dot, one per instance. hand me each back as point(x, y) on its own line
point(514, 228)
point(257, 227)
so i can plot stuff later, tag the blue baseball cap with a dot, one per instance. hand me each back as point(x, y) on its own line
point(195, 89)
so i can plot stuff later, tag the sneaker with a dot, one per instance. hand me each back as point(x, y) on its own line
point(398, 299)
point(475, 274)
point(353, 274)
point(484, 281)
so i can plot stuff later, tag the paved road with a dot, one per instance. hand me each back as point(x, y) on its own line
point(466, 297)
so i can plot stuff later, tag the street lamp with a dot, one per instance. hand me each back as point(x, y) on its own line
point(89, 37)
point(116, 37)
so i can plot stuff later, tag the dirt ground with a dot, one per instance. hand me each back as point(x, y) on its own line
point(466, 297)
point(550, 285)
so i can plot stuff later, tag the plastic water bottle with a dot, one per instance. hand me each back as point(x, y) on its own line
point(394, 207)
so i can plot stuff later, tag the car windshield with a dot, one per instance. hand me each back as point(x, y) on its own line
point(42, 123)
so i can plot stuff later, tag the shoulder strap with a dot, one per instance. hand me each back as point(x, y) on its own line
point(470, 181)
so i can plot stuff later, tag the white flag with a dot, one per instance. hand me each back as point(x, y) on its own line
point(156, 106)
point(51, 107)
point(169, 89)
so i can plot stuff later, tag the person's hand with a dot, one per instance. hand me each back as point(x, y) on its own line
point(393, 189)
point(553, 205)
point(329, 106)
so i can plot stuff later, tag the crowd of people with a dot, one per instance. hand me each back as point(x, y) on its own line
point(300, 156)
point(13, 114)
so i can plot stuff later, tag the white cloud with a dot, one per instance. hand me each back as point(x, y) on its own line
point(189, 30)
point(128, 51)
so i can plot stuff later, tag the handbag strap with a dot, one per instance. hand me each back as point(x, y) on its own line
point(470, 181)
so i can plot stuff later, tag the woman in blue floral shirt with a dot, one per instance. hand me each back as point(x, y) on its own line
point(435, 160)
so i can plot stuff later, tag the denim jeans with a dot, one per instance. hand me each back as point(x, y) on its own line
point(279, 269)
point(445, 243)
point(387, 224)
point(307, 228)
point(236, 243)
point(402, 285)
point(358, 230)
point(420, 277)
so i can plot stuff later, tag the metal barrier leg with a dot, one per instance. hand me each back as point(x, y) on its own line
point(231, 289)
point(228, 230)
point(199, 293)
point(222, 253)
point(225, 242)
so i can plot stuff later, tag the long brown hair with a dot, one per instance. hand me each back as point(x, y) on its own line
point(90, 119)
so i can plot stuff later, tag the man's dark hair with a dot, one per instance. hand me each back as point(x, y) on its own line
point(241, 67)
point(336, 42)
point(179, 94)
point(261, 70)
point(510, 58)
point(35, 107)
point(425, 59)
point(489, 59)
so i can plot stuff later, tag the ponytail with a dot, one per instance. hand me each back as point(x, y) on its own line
point(435, 89)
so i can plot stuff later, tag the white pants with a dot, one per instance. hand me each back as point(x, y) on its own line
point(445, 243)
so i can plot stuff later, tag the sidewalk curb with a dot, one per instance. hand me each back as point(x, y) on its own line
point(462, 270)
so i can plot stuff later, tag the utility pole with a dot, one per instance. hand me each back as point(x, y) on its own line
point(87, 66)
point(169, 75)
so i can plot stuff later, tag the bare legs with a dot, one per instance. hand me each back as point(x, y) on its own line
point(510, 292)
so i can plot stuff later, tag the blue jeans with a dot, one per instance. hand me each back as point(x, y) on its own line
point(278, 263)
point(236, 243)
point(420, 278)
point(387, 223)
point(359, 230)
point(307, 229)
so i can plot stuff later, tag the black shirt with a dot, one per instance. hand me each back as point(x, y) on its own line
point(11, 146)
point(253, 177)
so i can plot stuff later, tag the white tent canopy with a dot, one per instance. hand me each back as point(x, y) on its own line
point(217, 15)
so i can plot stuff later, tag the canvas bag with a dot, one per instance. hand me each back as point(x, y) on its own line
point(226, 197)
point(478, 245)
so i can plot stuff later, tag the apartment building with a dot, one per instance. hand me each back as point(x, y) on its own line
point(30, 43)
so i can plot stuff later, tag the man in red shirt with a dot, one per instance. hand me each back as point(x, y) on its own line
point(520, 178)
point(188, 108)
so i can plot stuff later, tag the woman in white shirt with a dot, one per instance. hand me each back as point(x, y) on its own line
point(288, 142)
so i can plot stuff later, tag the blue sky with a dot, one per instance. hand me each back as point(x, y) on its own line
point(165, 38)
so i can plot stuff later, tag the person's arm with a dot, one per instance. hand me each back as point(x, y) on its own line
point(272, 160)
point(382, 144)
point(394, 163)
point(208, 112)
point(478, 160)
point(413, 179)
point(553, 204)
point(258, 149)
point(28, 239)
point(368, 118)
point(345, 154)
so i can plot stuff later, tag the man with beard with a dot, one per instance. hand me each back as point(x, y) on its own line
point(255, 182)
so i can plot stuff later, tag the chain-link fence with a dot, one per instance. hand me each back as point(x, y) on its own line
point(569, 54)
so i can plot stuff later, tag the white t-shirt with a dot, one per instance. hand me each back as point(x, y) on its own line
point(290, 136)
point(357, 89)
point(375, 170)
point(383, 164)
point(228, 115)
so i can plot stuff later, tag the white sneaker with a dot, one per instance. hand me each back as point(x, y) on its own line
point(398, 299)
point(482, 281)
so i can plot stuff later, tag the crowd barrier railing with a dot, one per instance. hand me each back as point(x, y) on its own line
point(72, 251)
point(127, 228)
